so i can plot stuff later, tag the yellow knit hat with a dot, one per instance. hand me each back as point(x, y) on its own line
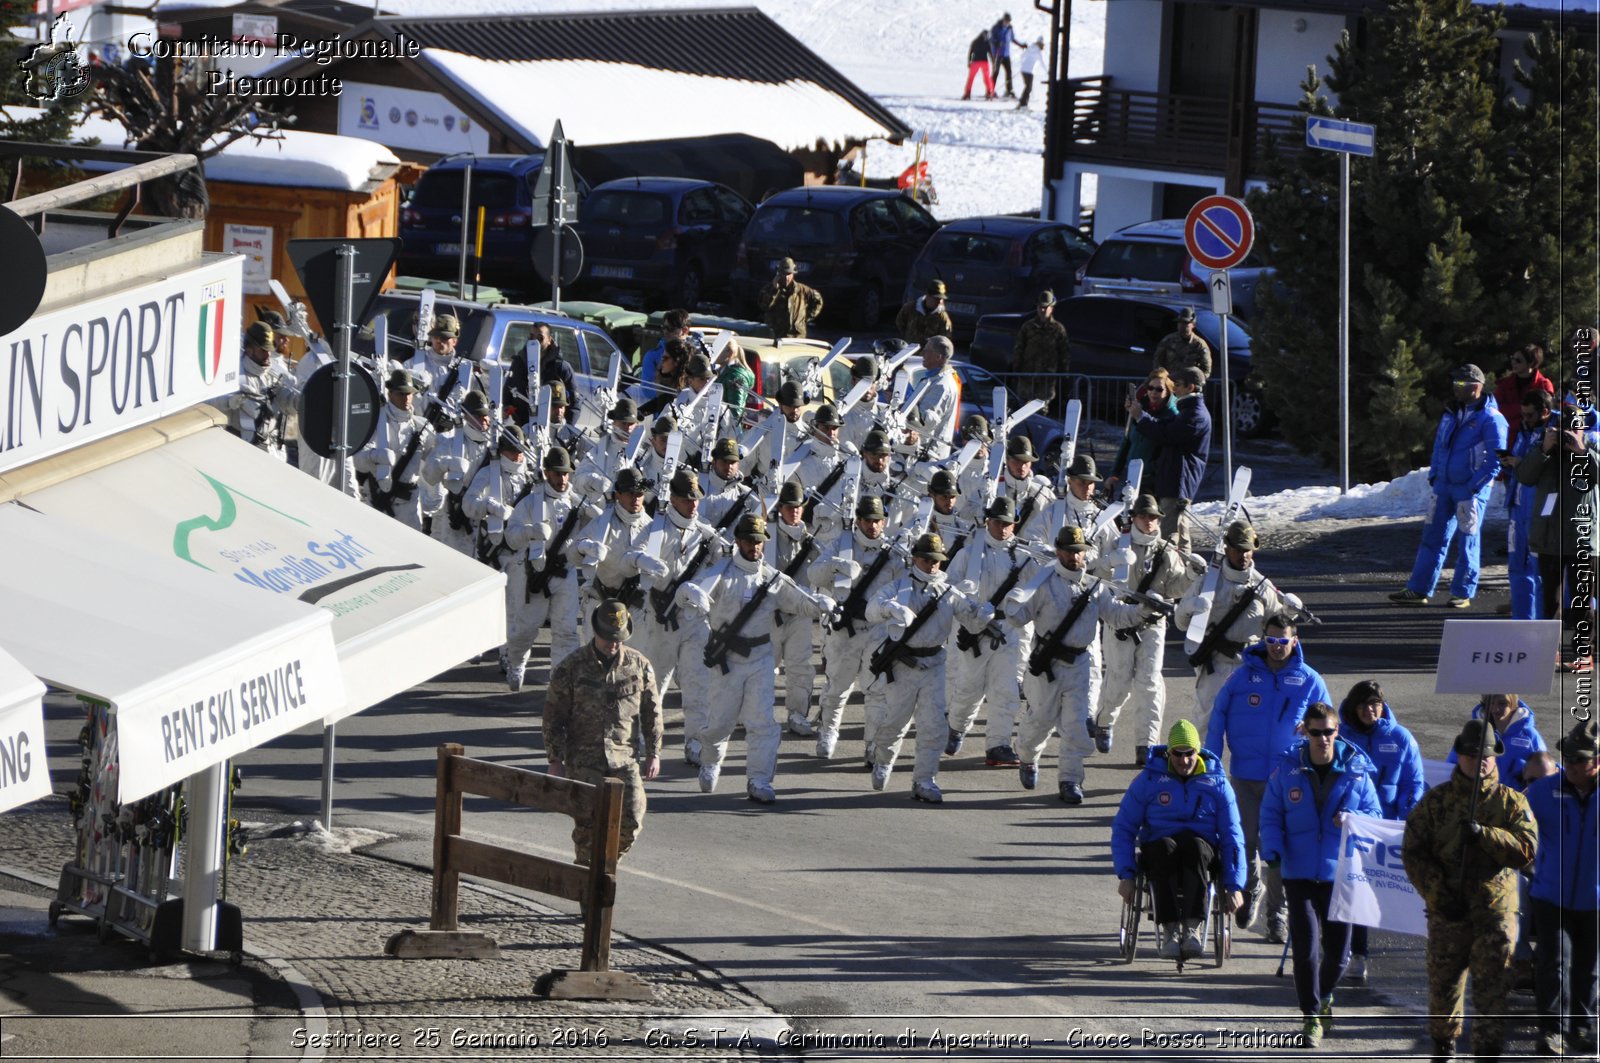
point(1183, 736)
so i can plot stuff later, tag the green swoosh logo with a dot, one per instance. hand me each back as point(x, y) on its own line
point(224, 519)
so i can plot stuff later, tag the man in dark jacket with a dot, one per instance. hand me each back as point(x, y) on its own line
point(978, 63)
point(1185, 442)
point(1563, 470)
point(1001, 37)
point(552, 367)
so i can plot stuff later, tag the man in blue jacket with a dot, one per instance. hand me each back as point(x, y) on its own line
point(1181, 814)
point(1313, 787)
point(1001, 37)
point(1184, 443)
point(1367, 722)
point(1566, 894)
point(1255, 716)
point(1466, 457)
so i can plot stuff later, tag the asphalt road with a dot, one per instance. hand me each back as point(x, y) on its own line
point(861, 913)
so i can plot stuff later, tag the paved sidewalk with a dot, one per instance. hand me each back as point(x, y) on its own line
point(315, 982)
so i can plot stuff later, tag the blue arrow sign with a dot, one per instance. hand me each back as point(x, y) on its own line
point(1330, 134)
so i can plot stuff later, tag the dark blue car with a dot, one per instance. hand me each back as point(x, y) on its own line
point(998, 265)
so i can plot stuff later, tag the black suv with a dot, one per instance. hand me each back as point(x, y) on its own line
point(854, 245)
point(998, 264)
point(671, 237)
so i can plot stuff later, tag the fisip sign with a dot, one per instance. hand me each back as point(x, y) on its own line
point(1483, 656)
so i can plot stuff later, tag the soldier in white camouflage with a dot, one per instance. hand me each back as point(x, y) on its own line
point(598, 470)
point(791, 549)
point(598, 695)
point(453, 465)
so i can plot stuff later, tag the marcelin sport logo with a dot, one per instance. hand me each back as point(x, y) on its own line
point(54, 70)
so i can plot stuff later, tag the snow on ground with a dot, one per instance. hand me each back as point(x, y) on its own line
point(1405, 498)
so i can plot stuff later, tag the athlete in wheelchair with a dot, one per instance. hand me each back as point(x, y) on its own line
point(1175, 834)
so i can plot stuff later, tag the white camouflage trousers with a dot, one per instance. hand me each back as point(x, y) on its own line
point(988, 681)
point(524, 618)
point(1133, 673)
point(793, 642)
point(916, 695)
point(1061, 706)
point(745, 696)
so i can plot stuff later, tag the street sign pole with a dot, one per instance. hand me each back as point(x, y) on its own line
point(461, 252)
point(1218, 233)
point(343, 330)
point(1227, 408)
point(1344, 322)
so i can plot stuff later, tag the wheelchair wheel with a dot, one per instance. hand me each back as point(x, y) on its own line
point(1222, 935)
point(1128, 934)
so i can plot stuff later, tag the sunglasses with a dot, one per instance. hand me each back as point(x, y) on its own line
point(1322, 732)
point(1273, 640)
point(1465, 383)
point(1184, 753)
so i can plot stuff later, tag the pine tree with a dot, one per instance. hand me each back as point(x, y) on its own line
point(1456, 231)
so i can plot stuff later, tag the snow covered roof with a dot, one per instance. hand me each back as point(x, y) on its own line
point(299, 160)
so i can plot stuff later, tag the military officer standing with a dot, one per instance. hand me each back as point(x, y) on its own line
point(921, 319)
point(596, 697)
point(1040, 354)
point(787, 305)
point(1183, 348)
point(1465, 864)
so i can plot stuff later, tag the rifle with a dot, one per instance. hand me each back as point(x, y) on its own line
point(662, 601)
point(384, 500)
point(555, 562)
point(969, 640)
point(440, 413)
point(1213, 636)
point(723, 638)
point(853, 607)
point(1048, 650)
point(890, 652)
point(488, 549)
point(822, 489)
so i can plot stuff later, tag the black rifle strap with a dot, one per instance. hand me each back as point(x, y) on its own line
point(717, 646)
point(1208, 644)
point(854, 605)
point(883, 661)
point(826, 485)
point(1155, 569)
point(1047, 647)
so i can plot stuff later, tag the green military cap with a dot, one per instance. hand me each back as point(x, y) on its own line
point(512, 439)
point(827, 416)
point(1020, 448)
point(558, 393)
point(665, 425)
point(876, 443)
point(272, 318)
point(943, 484)
point(1147, 506)
point(930, 546)
point(785, 265)
point(1002, 509)
point(1470, 742)
point(751, 526)
point(476, 403)
point(1047, 298)
point(1185, 314)
point(684, 485)
point(725, 450)
point(976, 426)
point(863, 368)
point(445, 325)
point(260, 333)
point(625, 410)
point(556, 459)
point(1071, 539)
point(870, 507)
point(611, 621)
point(1582, 742)
point(789, 394)
point(698, 366)
point(936, 287)
point(1083, 468)
point(629, 481)
point(401, 381)
point(1241, 536)
point(792, 493)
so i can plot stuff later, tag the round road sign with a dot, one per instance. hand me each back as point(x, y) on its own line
point(1218, 232)
point(319, 404)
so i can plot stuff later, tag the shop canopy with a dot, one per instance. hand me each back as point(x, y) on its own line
point(24, 775)
point(183, 498)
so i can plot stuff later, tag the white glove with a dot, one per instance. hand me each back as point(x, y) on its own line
point(847, 447)
point(458, 469)
point(536, 560)
point(384, 474)
point(506, 509)
point(1294, 602)
point(985, 613)
point(904, 614)
point(1124, 557)
point(1015, 598)
point(693, 597)
point(653, 566)
point(826, 604)
point(849, 569)
point(386, 458)
point(542, 532)
point(235, 401)
point(586, 550)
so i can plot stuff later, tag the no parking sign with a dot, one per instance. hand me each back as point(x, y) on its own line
point(1218, 232)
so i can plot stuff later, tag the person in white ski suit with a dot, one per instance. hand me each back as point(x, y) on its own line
point(452, 466)
point(605, 553)
point(397, 427)
point(792, 545)
point(740, 684)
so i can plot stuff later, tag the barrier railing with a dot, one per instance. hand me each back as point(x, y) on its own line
point(594, 886)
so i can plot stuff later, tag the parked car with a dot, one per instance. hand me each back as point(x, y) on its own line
point(996, 265)
point(502, 331)
point(669, 237)
point(1113, 339)
point(430, 221)
point(977, 396)
point(1149, 259)
point(854, 245)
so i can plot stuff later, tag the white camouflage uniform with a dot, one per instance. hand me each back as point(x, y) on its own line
point(985, 676)
point(388, 445)
point(1250, 626)
point(534, 526)
point(843, 565)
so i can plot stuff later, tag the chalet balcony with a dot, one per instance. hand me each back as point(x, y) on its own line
point(1174, 132)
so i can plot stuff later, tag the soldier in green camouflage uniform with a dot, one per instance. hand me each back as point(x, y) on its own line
point(922, 319)
point(1039, 354)
point(595, 696)
point(1472, 917)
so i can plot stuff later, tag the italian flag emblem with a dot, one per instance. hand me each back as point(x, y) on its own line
point(209, 345)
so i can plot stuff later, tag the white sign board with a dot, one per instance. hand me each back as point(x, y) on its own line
point(1221, 292)
point(104, 365)
point(258, 28)
point(24, 772)
point(408, 118)
point(254, 242)
point(1478, 656)
point(1370, 886)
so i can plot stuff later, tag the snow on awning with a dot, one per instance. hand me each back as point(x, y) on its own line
point(24, 775)
point(404, 607)
point(612, 103)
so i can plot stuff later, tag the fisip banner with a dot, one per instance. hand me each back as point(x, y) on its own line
point(1370, 886)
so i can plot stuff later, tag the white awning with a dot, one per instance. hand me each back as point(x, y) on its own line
point(404, 607)
point(196, 671)
point(24, 775)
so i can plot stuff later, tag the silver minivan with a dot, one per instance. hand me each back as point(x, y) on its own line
point(1149, 259)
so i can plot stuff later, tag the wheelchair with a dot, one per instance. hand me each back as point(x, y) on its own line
point(1139, 915)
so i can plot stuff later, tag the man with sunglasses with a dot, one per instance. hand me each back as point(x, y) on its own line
point(1255, 716)
point(1463, 845)
point(1181, 813)
point(1313, 787)
point(1566, 894)
point(1466, 457)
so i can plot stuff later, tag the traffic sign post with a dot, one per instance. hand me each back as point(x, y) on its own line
point(1219, 233)
point(1346, 138)
point(555, 203)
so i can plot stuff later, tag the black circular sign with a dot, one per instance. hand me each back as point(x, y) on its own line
point(571, 253)
point(319, 403)
point(22, 271)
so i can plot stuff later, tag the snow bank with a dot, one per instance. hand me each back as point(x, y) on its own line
point(1405, 498)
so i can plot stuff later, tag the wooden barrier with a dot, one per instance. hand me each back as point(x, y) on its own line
point(594, 887)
